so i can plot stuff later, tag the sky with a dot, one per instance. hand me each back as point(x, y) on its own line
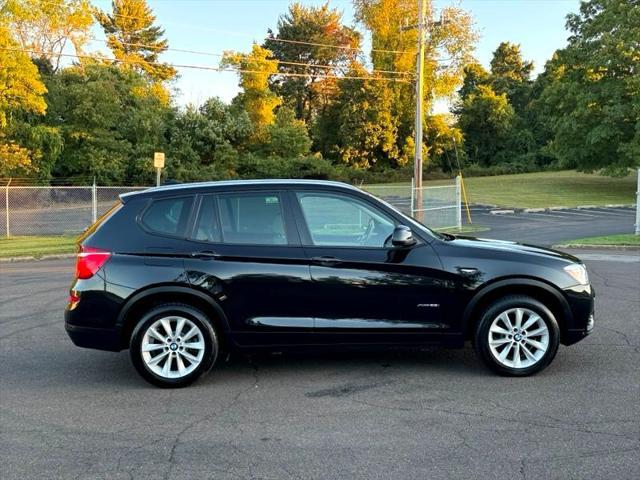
point(214, 26)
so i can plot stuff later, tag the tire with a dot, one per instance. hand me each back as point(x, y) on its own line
point(524, 349)
point(171, 359)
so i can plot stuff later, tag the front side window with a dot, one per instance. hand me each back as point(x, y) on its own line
point(254, 218)
point(341, 220)
point(168, 216)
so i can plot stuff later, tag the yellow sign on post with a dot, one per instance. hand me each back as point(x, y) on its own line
point(158, 163)
point(158, 159)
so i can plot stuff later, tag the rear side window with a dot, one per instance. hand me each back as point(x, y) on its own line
point(254, 218)
point(168, 216)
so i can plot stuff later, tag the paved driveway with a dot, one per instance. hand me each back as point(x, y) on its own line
point(554, 226)
point(67, 413)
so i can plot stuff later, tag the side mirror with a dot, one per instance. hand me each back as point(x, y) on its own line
point(402, 237)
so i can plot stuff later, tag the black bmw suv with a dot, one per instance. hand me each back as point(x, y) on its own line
point(179, 274)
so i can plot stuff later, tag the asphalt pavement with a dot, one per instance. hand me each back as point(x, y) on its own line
point(551, 227)
point(67, 412)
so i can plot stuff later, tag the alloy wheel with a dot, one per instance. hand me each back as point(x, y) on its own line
point(172, 347)
point(518, 338)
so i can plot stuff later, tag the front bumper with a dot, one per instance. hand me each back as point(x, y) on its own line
point(581, 301)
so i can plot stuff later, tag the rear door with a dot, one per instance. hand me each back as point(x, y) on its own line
point(363, 289)
point(246, 252)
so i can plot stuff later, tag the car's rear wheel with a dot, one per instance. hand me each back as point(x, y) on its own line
point(517, 336)
point(173, 344)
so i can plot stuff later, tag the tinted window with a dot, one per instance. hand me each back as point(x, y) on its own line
point(207, 226)
point(340, 220)
point(168, 216)
point(252, 218)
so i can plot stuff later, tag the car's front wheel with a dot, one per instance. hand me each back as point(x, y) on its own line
point(173, 344)
point(517, 335)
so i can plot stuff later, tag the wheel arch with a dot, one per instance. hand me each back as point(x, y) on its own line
point(538, 289)
point(156, 295)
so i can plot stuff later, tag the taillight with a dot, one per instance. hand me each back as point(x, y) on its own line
point(89, 261)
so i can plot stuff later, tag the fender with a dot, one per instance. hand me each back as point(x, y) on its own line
point(520, 282)
point(171, 289)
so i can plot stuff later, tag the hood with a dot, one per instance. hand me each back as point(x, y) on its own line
point(509, 247)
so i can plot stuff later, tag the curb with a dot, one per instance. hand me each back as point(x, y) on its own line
point(509, 211)
point(37, 258)
point(501, 212)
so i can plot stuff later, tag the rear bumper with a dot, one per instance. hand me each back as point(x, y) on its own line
point(96, 338)
point(99, 337)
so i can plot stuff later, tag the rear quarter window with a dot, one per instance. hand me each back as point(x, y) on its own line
point(167, 216)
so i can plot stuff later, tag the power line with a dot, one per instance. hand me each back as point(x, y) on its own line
point(217, 69)
point(301, 42)
point(220, 55)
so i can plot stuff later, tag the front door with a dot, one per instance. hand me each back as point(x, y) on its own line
point(246, 252)
point(364, 290)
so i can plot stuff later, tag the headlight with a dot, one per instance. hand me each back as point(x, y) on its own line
point(578, 272)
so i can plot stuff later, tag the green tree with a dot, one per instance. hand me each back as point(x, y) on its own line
point(474, 75)
point(204, 142)
point(314, 27)
point(511, 74)
point(592, 99)
point(288, 137)
point(485, 118)
point(110, 122)
point(134, 39)
point(359, 127)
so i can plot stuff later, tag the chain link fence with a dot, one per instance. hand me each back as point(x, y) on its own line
point(54, 210)
point(29, 210)
point(437, 207)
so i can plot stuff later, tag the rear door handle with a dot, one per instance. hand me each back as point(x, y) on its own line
point(207, 254)
point(326, 261)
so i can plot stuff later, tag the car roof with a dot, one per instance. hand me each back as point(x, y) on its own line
point(191, 188)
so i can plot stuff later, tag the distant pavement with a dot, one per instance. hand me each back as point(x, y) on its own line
point(552, 227)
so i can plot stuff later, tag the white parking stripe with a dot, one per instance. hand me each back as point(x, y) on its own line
point(580, 214)
point(547, 215)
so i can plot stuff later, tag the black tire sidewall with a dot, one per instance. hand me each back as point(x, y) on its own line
point(200, 319)
point(481, 337)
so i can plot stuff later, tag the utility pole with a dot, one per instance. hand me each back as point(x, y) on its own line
point(417, 167)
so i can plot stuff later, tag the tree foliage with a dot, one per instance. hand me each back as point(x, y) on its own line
point(310, 41)
point(20, 84)
point(204, 142)
point(46, 27)
point(254, 70)
point(394, 43)
point(134, 39)
point(311, 103)
point(287, 137)
point(593, 94)
point(485, 118)
point(360, 127)
point(109, 121)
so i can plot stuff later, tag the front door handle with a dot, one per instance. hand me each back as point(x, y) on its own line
point(326, 261)
point(207, 254)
